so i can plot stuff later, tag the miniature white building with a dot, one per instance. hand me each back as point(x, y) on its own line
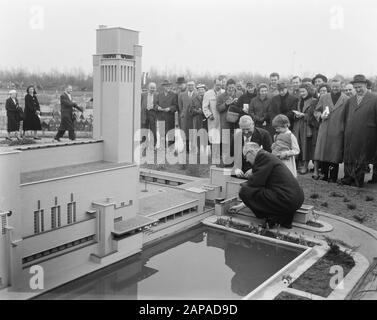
point(73, 208)
point(61, 203)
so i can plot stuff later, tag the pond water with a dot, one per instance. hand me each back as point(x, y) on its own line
point(199, 263)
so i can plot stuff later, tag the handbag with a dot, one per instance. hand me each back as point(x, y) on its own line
point(232, 115)
point(20, 113)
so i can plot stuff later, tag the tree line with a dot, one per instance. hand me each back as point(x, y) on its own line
point(19, 78)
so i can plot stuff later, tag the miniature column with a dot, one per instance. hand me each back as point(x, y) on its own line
point(105, 225)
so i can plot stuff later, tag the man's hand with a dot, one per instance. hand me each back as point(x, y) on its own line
point(236, 208)
point(248, 173)
point(324, 116)
point(239, 173)
point(159, 108)
point(166, 109)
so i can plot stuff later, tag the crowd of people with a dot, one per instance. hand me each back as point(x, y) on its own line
point(310, 120)
point(326, 122)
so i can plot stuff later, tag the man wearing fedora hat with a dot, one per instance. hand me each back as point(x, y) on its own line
point(166, 105)
point(181, 84)
point(360, 138)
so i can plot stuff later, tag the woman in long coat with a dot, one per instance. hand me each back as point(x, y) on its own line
point(13, 115)
point(330, 140)
point(305, 127)
point(259, 108)
point(32, 112)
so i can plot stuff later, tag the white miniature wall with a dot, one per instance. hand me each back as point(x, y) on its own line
point(60, 156)
point(85, 188)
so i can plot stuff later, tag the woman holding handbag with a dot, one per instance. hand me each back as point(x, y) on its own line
point(228, 120)
point(32, 112)
point(14, 115)
point(305, 127)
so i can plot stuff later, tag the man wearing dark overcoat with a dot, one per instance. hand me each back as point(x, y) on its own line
point(271, 191)
point(360, 139)
point(166, 105)
point(184, 102)
point(67, 116)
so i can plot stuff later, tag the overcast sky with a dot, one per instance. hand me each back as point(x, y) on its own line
point(219, 36)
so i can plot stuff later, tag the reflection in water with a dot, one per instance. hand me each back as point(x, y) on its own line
point(201, 263)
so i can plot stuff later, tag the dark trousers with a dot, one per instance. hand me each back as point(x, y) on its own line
point(354, 173)
point(151, 125)
point(330, 171)
point(71, 134)
point(260, 207)
point(374, 171)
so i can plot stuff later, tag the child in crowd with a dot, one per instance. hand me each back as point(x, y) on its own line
point(285, 145)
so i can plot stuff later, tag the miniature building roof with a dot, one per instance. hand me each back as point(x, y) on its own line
point(116, 41)
point(163, 201)
point(131, 224)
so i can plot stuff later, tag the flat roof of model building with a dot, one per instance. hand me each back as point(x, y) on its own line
point(164, 200)
point(67, 171)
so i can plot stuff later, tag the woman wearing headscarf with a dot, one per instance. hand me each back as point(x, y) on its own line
point(32, 112)
point(14, 112)
point(330, 112)
point(305, 127)
point(324, 88)
point(260, 107)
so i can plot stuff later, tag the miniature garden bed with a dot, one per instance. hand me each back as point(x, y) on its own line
point(314, 224)
point(14, 142)
point(258, 230)
point(284, 295)
point(316, 280)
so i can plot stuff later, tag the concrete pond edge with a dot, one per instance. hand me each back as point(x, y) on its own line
point(274, 285)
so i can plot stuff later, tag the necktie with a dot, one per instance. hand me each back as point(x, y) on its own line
point(359, 98)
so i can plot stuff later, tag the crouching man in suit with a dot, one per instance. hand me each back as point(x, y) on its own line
point(67, 116)
point(271, 192)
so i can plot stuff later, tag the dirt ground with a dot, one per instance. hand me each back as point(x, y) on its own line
point(356, 204)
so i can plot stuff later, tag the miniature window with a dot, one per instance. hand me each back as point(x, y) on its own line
point(39, 221)
point(55, 217)
point(3, 223)
point(71, 212)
